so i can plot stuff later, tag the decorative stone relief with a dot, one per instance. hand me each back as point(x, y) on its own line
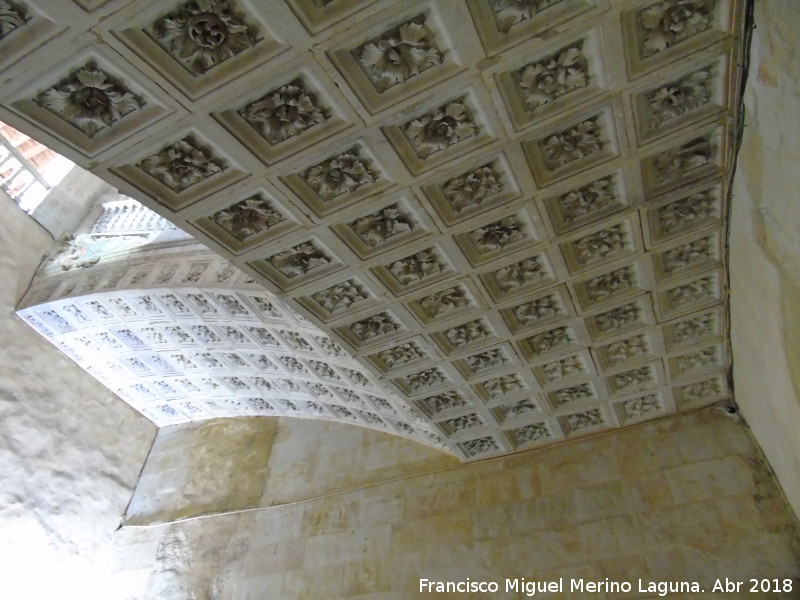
point(522, 273)
point(416, 267)
point(231, 304)
point(496, 236)
point(11, 17)
point(341, 174)
point(446, 301)
point(554, 76)
point(599, 245)
point(518, 409)
point(587, 199)
point(617, 318)
point(89, 99)
point(329, 346)
point(527, 434)
point(343, 413)
point(695, 291)
point(696, 251)
point(443, 402)
point(467, 333)
point(679, 97)
point(399, 54)
point(538, 310)
point(463, 423)
point(697, 360)
point(480, 446)
point(374, 229)
point(248, 217)
point(635, 378)
point(585, 420)
point(399, 355)
point(695, 208)
point(580, 141)
point(299, 260)
point(374, 326)
point(700, 391)
point(202, 34)
point(508, 13)
point(609, 284)
point(471, 188)
point(624, 350)
point(666, 23)
point(576, 393)
point(485, 360)
point(502, 386)
point(565, 367)
point(542, 343)
point(641, 406)
point(323, 369)
point(426, 378)
point(357, 377)
point(672, 164)
point(296, 341)
point(285, 112)
point(292, 364)
point(441, 128)
point(340, 296)
point(181, 165)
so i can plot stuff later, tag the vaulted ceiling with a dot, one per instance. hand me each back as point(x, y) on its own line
point(494, 224)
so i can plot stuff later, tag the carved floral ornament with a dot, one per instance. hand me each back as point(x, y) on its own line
point(374, 326)
point(248, 217)
point(400, 355)
point(543, 82)
point(202, 34)
point(11, 17)
point(341, 174)
point(439, 129)
point(580, 141)
point(397, 55)
point(680, 97)
point(666, 23)
point(376, 228)
point(521, 273)
point(537, 310)
point(89, 100)
point(416, 267)
point(508, 13)
point(672, 164)
point(587, 199)
point(340, 296)
point(285, 112)
point(472, 188)
point(531, 433)
point(299, 260)
point(496, 236)
point(444, 302)
point(181, 165)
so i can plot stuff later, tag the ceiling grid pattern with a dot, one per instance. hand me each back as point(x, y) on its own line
point(508, 213)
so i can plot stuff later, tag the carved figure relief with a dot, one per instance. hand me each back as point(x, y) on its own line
point(426, 378)
point(11, 17)
point(508, 13)
point(641, 406)
point(677, 215)
point(472, 188)
point(485, 360)
point(416, 267)
point(202, 34)
point(617, 318)
point(376, 228)
point(480, 446)
point(463, 423)
point(576, 393)
point(401, 354)
point(444, 402)
point(89, 99)
point(300, 260)
point(466, 333)
point(559, 74)
point(679, 97)
point(541, 343)
point(580, 141)
point(285, 112)
point(626, 349)
point(443, 302)
point(399, 54)
point(374, 326)
point(340, 296)
point(683, 256)
point(248, 217)
point(538, 310)
point(565, 367)
point(587, 199)
point(181, 165)
point(534, 432)
point(666, 23)
point(695, 291)
point(520, 274)
point(441, 128)
point(496, 236)
point(599, 245)
point(501, 386)
point(672, 164)
point(341, 174)
point(610, 283)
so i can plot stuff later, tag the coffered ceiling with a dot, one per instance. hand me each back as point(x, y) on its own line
point(509, 215)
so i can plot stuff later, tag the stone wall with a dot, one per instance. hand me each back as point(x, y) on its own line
point(684, 498)
point(765, 246)
point(70, 450)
